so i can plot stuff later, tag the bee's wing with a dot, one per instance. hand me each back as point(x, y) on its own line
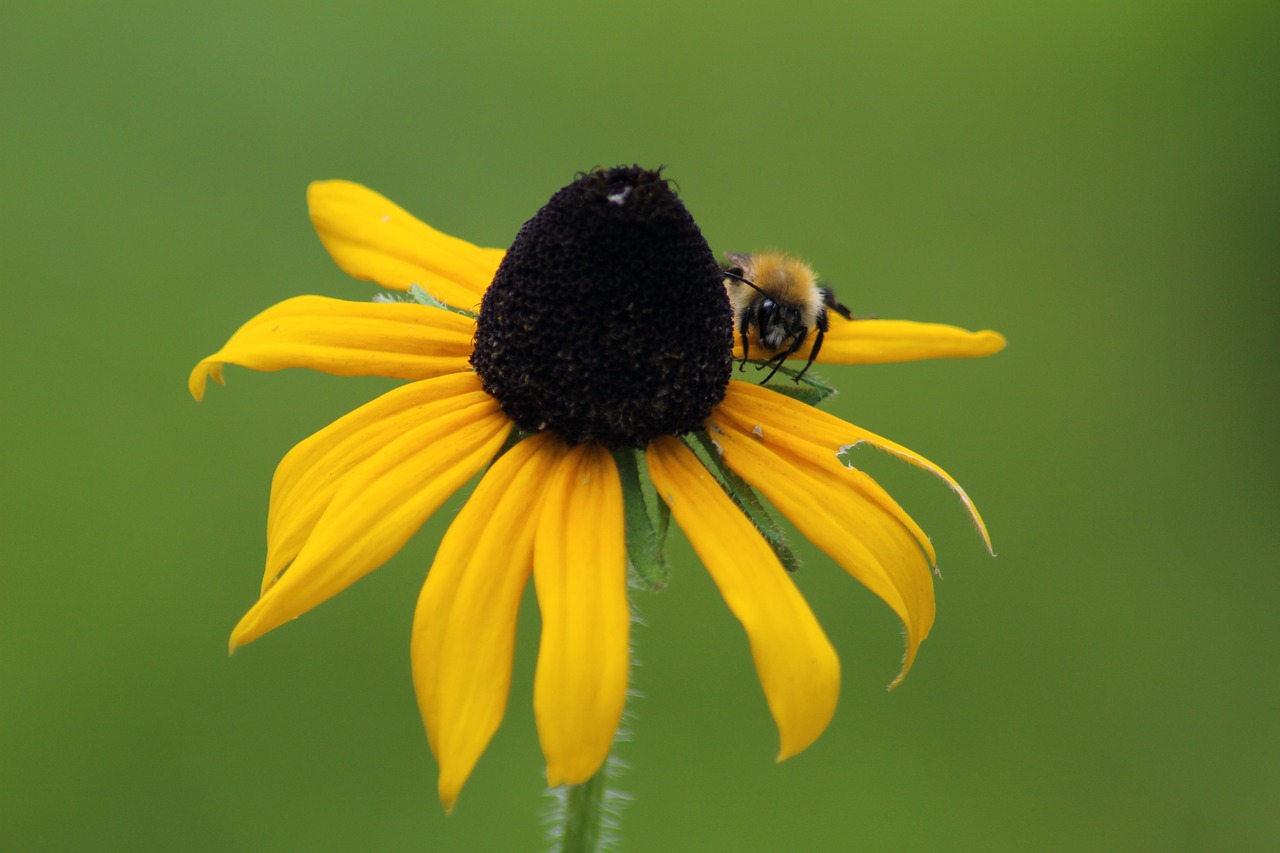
point(742, 262)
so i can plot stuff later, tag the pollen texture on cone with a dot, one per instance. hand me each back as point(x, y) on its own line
point(608, 319)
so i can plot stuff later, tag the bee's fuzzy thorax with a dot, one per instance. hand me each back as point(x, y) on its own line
point(790, 279)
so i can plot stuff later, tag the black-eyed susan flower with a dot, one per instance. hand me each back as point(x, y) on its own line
point(605, 329)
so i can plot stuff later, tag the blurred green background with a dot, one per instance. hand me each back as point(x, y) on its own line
point(1098, 181)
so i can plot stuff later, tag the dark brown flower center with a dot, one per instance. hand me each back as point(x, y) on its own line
point(607, 320)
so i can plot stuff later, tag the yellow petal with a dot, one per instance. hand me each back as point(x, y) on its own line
point(398, 340)
point(751, 405)
point(374, 239)
point(309, 475)
point(580, 572)
point(792, 425)
point(865, 540)
point(880, 341)
point(465, 624)
point(380, 504)
point(795, 661)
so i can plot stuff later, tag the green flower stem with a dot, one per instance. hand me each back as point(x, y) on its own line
point(584, 811)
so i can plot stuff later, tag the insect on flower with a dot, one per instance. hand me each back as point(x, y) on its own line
point(778, 297)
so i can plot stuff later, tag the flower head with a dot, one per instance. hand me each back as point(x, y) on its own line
point(607, 320)
point(604, 330)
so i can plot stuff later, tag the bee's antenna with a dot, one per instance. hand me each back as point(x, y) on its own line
point(748, 283)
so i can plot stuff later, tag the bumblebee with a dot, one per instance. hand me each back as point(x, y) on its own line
point(778, 297)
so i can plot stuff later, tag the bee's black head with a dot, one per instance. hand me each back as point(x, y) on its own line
point(779, 323)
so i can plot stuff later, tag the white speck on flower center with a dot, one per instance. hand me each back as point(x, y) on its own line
point(619, 197)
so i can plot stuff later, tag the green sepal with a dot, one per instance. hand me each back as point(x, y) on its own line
point(664, 521)
point(741, 493)
point(809, 388)
point(420, 295)
point(645, 541)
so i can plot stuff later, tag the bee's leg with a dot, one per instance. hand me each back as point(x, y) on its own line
point(821, 326)
point(776, 361)
point(744, 326)
point(829, 300)
point(786, 354)
point(813, 353)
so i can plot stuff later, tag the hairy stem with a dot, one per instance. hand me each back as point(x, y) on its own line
point(583, 814)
